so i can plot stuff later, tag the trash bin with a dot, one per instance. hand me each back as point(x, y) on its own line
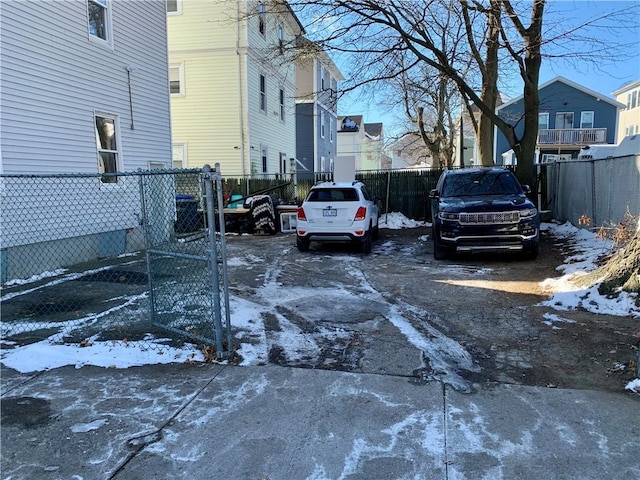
point(187, 216)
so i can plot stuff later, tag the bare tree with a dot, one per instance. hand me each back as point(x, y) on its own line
point(500, 36)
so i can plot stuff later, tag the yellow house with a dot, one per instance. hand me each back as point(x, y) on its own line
point(232, 82)
point(628, 118)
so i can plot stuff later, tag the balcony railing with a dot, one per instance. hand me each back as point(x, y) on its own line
point(572, 136)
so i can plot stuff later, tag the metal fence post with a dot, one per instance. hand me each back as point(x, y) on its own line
point(222, 264)
point(213, 258)
point(144, 220)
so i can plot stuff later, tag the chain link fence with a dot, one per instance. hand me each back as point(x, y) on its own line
point(128, 257)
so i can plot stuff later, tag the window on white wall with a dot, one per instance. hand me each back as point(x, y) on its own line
point(176, 80)
point(99, 15)
point(107, 145)
point(322, 124)
point(282, 104)
point(263, 93)
point(281, 38)
point(586, 119)
point(265, 158)
point(262, 20)
point(331, 130)
point(174, 7)
point(322, 164)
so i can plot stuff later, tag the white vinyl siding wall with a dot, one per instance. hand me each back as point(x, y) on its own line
point(52, 83)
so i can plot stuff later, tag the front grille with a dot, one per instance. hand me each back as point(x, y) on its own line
point(489, 218)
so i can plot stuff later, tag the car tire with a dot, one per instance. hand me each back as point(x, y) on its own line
point(365, 243)
point(439, 252)
point(302, 244)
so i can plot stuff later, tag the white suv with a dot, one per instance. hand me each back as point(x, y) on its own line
point(338, 212)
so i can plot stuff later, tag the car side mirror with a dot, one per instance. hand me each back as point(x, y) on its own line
point(526, 189)
point(434, 193)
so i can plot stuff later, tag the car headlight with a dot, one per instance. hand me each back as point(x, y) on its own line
point(528, 213)
point(449, 216)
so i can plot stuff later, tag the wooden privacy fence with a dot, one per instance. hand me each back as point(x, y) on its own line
point(403, 191)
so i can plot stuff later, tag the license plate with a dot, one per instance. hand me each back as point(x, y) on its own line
point(329, 212)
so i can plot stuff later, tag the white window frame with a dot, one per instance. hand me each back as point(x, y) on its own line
point(582, 119)
point(118, 150)
point(543, 115)
point(180, 68)
point(262, 19)
point(182, 146)
point(264, 158)
point(262, 92)
point(281, 37)
point(178, 10)
point(322, 127)
point(282, 109)
point(573, 119)
point(108, 23)
point(322, 164)
point(331, 129)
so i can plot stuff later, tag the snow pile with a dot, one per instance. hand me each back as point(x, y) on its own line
point(396, 221)
point(585, 251)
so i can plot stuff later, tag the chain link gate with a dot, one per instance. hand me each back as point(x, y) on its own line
point(186, 258)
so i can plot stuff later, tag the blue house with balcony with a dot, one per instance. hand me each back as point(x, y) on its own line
point(570, 117)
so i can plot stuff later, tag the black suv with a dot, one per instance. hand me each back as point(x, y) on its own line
point(482, 209)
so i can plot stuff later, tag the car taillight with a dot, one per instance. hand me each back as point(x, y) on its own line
point(361, 213)
point(301, 215)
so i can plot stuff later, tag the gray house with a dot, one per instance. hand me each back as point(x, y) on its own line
point(317, 80)
point(570, 117)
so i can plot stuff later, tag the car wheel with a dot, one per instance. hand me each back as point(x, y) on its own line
point(439, 252)
point(365, 243)
point(302, 243)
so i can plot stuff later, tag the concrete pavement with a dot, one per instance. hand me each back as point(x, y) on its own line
point(226, 422)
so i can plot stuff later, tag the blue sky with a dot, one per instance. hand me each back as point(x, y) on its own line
point(608, 70)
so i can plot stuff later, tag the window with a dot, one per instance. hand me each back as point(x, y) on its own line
point(179, 155)
point(322, 164)
point(322, 125)
point(99, 20)
point(174, 7)
point(107, 144)
point(283, 163)
point(631, 130)
point(176, 80)
point(543, 121)
point(586, 119)
point(632, 99)
point(331, 130)
point(264, 154)
point(261, 18)
point(322, 71)
point(564, 120)
point(263, 93)
point(282, 104)
point(281, 38)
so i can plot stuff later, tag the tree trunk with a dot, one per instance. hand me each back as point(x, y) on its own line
point(621, 272)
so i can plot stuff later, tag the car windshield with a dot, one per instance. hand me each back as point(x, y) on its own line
point(333, 195)
point(484, 182)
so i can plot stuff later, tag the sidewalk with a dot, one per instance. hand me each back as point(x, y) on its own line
point(217, 422)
